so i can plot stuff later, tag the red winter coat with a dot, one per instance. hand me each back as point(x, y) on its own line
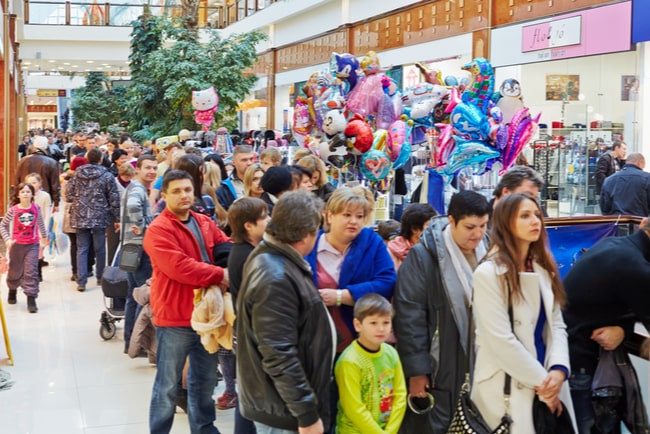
point(177, 266)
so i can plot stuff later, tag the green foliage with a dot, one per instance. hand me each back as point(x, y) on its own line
point(97, 102)
point(165, 74)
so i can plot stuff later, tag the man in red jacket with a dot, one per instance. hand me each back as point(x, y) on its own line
point(179, 243)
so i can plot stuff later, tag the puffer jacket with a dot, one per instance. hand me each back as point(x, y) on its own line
point(284, 341)
point(431, 327)
point(95, 200)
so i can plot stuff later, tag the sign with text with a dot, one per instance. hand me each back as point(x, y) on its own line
point(571, 35)
point(551, 34)
point(50, 92)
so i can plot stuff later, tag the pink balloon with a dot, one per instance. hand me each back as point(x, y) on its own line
point(446, 143)
point(454, 100)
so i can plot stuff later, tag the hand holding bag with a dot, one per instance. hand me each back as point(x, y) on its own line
point(546, 422)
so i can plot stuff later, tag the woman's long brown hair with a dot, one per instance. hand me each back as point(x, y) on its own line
point(504, 248)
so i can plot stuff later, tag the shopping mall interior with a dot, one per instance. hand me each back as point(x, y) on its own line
point(581, 65)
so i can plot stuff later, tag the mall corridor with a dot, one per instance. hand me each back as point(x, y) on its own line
point(67, 380)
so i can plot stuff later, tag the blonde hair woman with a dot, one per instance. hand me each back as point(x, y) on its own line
point(320, 184)
point(252, 178)
point(349, 261)
point(212, 174)
point(253, 185)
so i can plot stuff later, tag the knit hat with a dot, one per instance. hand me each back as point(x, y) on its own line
point(40, 142)
point(276, 180)
point(78, 162)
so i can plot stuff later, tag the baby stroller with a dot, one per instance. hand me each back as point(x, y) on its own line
point(115, 286)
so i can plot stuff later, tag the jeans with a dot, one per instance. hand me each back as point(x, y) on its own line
point(132, 308)
point(84, 237)
point(580, 385)
point(174, 345)
point(73, 255)
point(243, 425)
point(265, 429)
point(228, 364)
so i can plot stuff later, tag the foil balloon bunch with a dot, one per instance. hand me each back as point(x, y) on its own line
point(351, 116)
point(477, 135)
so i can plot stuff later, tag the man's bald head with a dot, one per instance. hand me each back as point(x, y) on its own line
point(637, 159)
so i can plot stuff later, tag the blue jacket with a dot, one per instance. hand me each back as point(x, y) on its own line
point(626, 192)
point(367, 267)
point(226, 193)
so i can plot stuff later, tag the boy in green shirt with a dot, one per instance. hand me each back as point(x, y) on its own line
point(372, 388)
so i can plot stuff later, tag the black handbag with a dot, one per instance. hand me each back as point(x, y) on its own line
point(546, 422)
point(468, 420)
point(130, 257)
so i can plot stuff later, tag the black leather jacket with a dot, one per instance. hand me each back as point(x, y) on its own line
point(285, 340)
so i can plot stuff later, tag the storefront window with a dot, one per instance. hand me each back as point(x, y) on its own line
point(586, 104)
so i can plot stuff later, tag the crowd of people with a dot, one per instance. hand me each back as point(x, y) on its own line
point(475, 296)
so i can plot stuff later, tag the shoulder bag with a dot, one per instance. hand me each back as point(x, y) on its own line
point(131, 252)
point(467, 418)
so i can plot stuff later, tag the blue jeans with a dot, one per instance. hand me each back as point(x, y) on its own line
point(265, 429)
point(98, 237)
point(243, 425)
point(175, 344)
point(132, 308)
point(580, 385)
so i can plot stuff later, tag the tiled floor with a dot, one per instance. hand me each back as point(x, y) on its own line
point(67, 379)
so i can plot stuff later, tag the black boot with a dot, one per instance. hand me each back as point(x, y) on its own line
point(12, 296)
point(31, 304)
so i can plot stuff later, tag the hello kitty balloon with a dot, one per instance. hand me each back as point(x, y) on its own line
point(205, 99)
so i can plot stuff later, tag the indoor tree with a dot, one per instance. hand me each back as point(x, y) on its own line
point(98, 101)
point(169, 60)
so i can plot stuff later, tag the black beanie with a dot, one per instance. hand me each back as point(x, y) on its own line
point(276, 179)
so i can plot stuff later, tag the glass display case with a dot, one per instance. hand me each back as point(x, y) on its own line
point(567, 167)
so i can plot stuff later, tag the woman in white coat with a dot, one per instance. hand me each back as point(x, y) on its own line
point(533, 349)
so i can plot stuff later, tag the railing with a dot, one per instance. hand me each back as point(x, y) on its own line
point(109, 14)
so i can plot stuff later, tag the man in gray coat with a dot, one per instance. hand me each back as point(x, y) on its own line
point(432, 320)
point(92, 191)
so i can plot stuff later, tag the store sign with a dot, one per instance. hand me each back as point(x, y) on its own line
point(566, 36)
point(41, 109)
point(50, 92)
point(551, 34)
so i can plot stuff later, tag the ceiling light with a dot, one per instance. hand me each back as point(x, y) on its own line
point(51, 61)
point(27, 63)
point(75, 66)
point(66, 63)
point(90, 61)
